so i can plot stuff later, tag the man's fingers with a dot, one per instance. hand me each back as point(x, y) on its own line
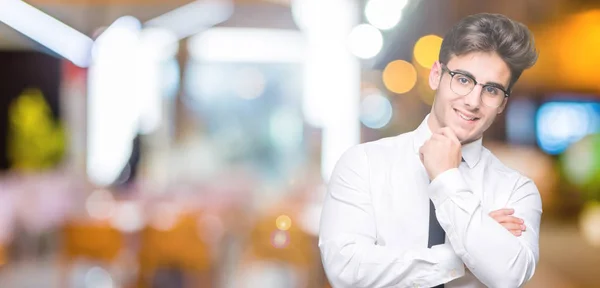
point(516, 232)
point(446, 131)
point(422, 152)
point(441, 137)
point(508, 219)
point(514, 226)
point(500, 212)
point(438, 137)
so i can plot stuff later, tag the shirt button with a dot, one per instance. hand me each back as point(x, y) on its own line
point(416, 285)
point(453, 272)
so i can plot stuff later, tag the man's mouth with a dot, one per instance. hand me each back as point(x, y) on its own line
point(466, 117)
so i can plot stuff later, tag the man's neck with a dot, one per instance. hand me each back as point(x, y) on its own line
point(433, 123)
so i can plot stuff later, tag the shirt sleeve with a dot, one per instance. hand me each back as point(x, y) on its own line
point(347, 239)
point(493, 254)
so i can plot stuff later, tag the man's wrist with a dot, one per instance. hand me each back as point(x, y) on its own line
point(443, 184)
point(442, 171)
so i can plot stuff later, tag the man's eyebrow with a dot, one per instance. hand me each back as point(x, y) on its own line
point(467, 73)
point(496, 85)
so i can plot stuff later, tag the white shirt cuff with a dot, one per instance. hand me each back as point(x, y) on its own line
point(450, 184)
point(449, 267)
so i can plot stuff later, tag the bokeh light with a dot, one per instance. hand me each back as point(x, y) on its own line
point(375, 111)
point(365, 41)
point(589, 223)
point(100, 205)
point(427, 50)
point(280, 239)
point(128, 217)
point(98, 278)
point(581, 163)
point(283, 222)
point(384, 14)
point(399, 76)
point(559, 124)
point(165, 216)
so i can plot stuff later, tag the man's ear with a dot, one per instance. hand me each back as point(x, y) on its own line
point(435, 75)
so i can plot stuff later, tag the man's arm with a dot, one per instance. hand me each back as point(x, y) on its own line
point(350, 253)
point(492, 253)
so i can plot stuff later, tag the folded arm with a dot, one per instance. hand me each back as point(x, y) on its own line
point(492, 253)
point(350, 253)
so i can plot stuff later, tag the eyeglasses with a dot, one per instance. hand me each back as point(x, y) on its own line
point(462, 84)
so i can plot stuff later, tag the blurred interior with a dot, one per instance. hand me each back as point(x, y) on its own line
point(154, 143)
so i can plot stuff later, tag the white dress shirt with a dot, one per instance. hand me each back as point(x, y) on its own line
point(375, 219)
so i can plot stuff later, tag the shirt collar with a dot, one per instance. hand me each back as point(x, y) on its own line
point(471, 152)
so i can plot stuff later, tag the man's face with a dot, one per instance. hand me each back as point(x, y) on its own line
point(467, 115)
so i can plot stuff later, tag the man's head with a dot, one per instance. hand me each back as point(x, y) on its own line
point(480, 60)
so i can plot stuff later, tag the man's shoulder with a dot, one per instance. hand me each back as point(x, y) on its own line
point(379, 151)
point(387, 143)
point(501, 169)
point(509, 181)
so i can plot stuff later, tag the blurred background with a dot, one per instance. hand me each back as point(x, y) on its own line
point(154, 143)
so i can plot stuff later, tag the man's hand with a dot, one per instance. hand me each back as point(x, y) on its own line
point(441, 152)
point(513, 224)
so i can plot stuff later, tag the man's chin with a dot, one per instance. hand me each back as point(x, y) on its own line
point(462, 136)
point(467, 139)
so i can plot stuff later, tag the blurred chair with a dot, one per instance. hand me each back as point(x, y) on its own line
point(95, 240)
point(175, 256)
point(276, 243)
point(92, 240)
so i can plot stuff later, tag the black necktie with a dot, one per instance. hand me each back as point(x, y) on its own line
point(437, 235)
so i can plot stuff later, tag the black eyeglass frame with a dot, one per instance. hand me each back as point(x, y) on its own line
point(453, 73)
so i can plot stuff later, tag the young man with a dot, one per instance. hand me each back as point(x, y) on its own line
point(433, 206)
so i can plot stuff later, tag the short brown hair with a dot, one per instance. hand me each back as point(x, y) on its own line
point(486, 32)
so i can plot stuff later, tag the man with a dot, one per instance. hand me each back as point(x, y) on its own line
point(433, 206)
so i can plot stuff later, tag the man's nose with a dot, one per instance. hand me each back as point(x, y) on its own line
point(473, 99)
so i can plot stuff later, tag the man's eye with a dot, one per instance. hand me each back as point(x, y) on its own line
point(464, 80)
point(492, 90)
